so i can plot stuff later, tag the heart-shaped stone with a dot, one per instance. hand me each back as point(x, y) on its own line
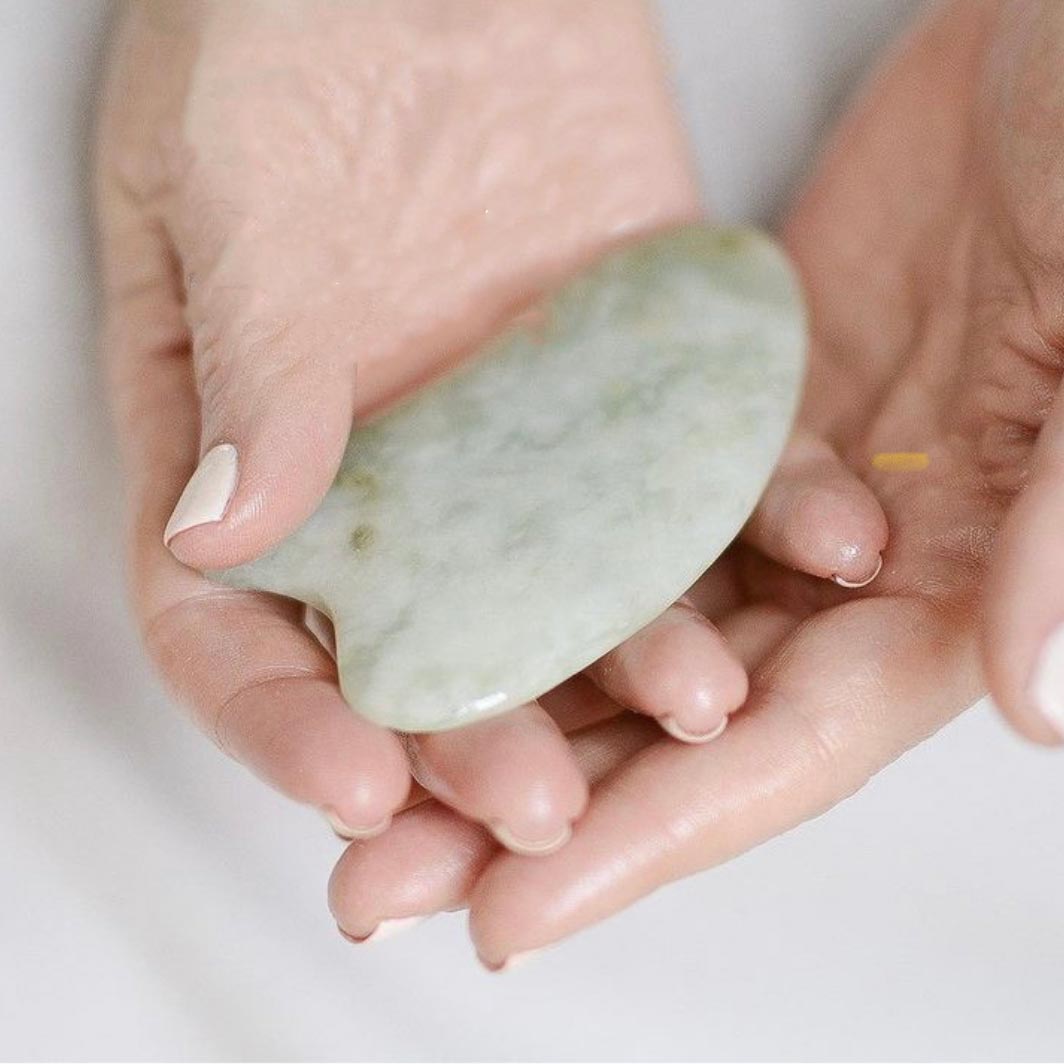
point(504, 527)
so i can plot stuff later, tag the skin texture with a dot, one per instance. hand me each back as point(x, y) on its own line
point(263, 236)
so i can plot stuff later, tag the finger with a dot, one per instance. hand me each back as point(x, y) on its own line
point(679, 670)
point(426, 863)
point(429, 860)
point(276, 400)
point(255, 678)
point(1023, 634)
point(265, 691)
point(514, 772)
point(276, 410)
point(848, 692)
point(818, 517)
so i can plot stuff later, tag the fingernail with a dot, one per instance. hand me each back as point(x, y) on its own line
point(530, 847)
point(350, 834)
point(843, 582)
point(207, 494)
point(677, 732)
point(385, 929)
point(1047, 681)
point(515, 960)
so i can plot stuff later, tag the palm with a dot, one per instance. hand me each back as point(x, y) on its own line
point(925, 271)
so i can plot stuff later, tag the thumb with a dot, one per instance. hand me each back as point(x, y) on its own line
point(276, 410)
point(1023, 636)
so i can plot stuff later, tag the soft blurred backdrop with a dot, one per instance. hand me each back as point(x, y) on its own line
point(157, 903)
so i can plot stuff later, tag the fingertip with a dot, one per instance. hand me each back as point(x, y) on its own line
point(537, 817)
point(677, 731)
point(515, 960)
point(1022, 630)
point(541, 847)
point(301, 737)
point(426, 863)
point(514, 773)
point(265, 468)
point(498, 931)
point(376, 789)
point(818, 517)
point(519, 907)
point(1034, 710)
point(207, 495)
point(852, 583)
point(678, 669)
point(837, 533)
point(343, 830)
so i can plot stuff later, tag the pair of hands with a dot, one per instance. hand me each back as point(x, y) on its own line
point(288, 191)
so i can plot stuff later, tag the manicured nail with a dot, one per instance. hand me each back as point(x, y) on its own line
point(843, 582)
point(385, 929)
point(685, 736)
point(350, 834)
point(530, 847)
point(207, 494)
point(1047, 681)
point(515, 960)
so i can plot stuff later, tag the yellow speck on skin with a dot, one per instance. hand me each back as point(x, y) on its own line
point(901, 461)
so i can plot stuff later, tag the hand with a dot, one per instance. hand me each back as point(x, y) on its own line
point(290, 191)
point(931, 245)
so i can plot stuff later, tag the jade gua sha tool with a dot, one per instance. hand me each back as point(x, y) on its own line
point(507, 525)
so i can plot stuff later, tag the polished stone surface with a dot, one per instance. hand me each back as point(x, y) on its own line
point(506, 526)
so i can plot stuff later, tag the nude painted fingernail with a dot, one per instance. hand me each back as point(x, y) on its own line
point(515, 960)
point(843, 582)
point(530, 847)
point(678, 732)
point(350, 834)
point(385, 929)
point(1047, 681)
point(207, 494)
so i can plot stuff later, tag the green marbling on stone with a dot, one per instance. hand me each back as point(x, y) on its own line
point(501, 529)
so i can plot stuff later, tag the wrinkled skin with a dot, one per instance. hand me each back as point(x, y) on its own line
point(929, 243)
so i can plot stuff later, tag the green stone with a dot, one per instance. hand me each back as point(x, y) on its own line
point(504, 527)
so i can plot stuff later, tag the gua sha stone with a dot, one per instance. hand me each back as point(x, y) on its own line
point(506, 526)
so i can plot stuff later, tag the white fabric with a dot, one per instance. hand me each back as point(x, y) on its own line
point(157, 903)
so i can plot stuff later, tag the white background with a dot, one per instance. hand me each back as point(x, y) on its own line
point(156, 903)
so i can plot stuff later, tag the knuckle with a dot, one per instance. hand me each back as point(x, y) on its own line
point(209, 665)
point(833, 752)
point(226, 719)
